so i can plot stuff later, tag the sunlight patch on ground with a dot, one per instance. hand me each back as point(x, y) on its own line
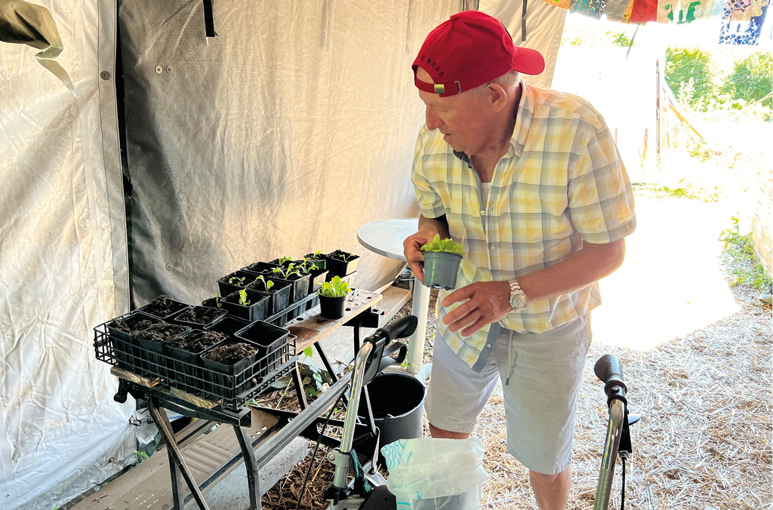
point(671, 282)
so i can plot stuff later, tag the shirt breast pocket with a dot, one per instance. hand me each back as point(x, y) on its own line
point(536, 213)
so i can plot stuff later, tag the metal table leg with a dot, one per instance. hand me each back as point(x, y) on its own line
point(176, 462)
point(253, 479)
point(416, 344)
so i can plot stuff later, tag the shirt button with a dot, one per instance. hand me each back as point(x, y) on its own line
point(488, 346)
point(483, 213)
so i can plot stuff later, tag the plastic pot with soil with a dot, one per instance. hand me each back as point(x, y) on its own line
point(341, 263)
point(198, 317)
point(152, 342)
point(229, 370)
point(279, 292)
point(163, 308)
point(271, 341)
point(300, 285)
point(441, 263)
point(247, 304)
point(228, 325)
point(183, 353)
point(234, 282)
point(122, 331)
point(317, 258)
point(332, 298)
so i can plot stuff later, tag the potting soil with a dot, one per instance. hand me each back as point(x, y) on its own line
point(232, 353)
point(160, 332)
point(197, 341)
point(199, 315)
point(162, 306)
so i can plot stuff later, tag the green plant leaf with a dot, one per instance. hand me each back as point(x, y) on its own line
point(243, 298)
point(443, 245)
point(334, 288)
point(308, 352)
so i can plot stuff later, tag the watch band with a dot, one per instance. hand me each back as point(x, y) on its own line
point(518, 299)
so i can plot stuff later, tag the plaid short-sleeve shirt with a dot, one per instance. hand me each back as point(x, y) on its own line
point(561, 183)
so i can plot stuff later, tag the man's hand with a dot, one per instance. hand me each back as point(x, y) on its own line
point(486, 302)
point(413, 254)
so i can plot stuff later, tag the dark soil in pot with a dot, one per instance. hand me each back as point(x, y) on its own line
point(199, 315)
point(161, 332)
point(197, 341)
point(163, 307)
point(231, 354)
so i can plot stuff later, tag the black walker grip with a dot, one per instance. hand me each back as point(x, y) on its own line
point(609, 369)
point(401, 328)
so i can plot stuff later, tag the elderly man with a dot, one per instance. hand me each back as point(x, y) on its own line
point(530, 182)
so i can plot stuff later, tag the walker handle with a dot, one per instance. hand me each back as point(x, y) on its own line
point(401, 328)
point(609, 369)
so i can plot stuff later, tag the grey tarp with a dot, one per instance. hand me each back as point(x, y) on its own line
point(63, 264)
point(283, 134)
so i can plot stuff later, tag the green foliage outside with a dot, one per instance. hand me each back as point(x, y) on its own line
point(742, 263)
point(593, 39)
point(752, 79)
point(698, 83)
point(689, 73)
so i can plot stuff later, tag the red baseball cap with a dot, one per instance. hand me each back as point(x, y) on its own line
point(468, 50)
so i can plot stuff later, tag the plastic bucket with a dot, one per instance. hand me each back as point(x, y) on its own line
point(397, 400)
point(440, 269)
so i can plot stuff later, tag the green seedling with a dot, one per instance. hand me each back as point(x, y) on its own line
point(443, 245)
point(267, 284)
point(284, 259)
point(334, 288)
point(347, 257)
point(243, 298)
point(286, 273)
point(217, 301)
point(237, 281)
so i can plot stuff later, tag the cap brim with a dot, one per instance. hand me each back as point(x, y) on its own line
point(528, 61)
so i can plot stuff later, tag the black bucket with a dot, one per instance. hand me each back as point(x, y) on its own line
point(397, 400)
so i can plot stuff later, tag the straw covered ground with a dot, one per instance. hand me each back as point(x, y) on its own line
point(704, 441)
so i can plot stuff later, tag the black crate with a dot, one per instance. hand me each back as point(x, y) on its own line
point(269, 339)
point(230, 391)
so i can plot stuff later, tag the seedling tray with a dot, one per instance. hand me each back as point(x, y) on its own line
point(269, 339)
point(217, 313)
point(175, 308)
point(230, 391)
point(337, 267)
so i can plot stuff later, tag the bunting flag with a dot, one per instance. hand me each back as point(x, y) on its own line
point(592, 8)
point(619, 10)
point(644, 11)
point(742, 21)
point(562, 4)
point(684, 11)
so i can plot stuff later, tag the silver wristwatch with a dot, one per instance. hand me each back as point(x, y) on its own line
point(518, 299)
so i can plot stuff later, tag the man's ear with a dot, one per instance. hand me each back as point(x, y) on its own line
point(497, 97)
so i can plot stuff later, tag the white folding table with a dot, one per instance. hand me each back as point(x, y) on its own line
point(386, 237)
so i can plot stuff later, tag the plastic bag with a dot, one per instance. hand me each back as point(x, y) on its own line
point(429, 474)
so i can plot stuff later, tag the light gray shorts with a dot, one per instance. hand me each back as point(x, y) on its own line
point(545, 372)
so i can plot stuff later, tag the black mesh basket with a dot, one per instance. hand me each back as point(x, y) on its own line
point(190, 375)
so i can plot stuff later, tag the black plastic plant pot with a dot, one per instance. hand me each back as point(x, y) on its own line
point(280, 293)
point(271, 340)
point(440, 269)
point(228, 380)
point(184, 362)
point(152, 342)
point(198, 317)
point(315, 282)
point(332, 307)
point(257, 309)
point(337, 266)
point(285, 263)
point(228, 325)
point(211, 302)
point(163, 308)
point(233, 282)
point(298, 291)
point(263, 268)
point(127, 351)
point(317, 260)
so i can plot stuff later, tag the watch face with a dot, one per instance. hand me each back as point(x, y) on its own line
point(518, 301)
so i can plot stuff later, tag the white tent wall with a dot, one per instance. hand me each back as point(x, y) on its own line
point(544, 26)
point(284, 134)
point(63, 265)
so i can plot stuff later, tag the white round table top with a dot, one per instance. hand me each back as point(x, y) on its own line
point(386, 237)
